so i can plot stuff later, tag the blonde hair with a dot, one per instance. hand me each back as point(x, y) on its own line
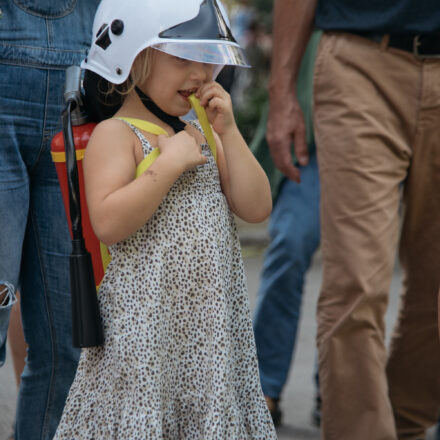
point(140, 70)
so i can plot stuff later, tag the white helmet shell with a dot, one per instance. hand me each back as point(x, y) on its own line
point(193, 29)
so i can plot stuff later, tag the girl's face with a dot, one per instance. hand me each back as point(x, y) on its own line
point(172, 80)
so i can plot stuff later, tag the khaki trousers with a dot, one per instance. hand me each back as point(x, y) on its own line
point(377, 123)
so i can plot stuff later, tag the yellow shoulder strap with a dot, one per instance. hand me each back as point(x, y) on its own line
point(203, 119)
point(149, 127)
point(146, 162)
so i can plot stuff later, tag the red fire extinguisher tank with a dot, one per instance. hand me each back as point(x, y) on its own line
point(81, 135)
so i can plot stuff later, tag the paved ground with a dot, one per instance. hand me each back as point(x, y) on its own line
point(298, 397)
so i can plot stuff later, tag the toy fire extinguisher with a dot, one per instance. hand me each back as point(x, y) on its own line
point(67, 152)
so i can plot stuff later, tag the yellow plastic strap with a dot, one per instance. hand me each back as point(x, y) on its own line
point(60, 156)
point(105, 258)
point(147, 161)
point(203, 119)
point(149, 127)
point(105, 255)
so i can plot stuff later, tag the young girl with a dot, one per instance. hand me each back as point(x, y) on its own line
point(179, 358)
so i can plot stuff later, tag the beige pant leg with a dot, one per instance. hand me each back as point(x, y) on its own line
point(365, 110)
point(414, 363)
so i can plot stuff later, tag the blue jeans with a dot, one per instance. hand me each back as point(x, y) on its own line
point(35, 244)
point(295, 236)
point(38, 40)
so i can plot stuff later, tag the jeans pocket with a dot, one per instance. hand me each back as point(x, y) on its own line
point(47, 8)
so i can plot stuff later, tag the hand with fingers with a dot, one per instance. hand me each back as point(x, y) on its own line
point(285, 126)
point(218, 106)
point(182, 149)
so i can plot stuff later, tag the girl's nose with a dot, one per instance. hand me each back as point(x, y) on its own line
point(202, 71)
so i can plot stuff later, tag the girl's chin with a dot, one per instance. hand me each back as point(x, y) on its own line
point(182, 112)
point(186, 107)
point(179, 110)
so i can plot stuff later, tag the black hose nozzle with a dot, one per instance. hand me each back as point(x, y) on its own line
point(86, 319)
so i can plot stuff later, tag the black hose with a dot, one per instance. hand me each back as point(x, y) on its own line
point(86, 320)
point(72, 171)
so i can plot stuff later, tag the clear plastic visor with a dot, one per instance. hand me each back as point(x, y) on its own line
point(205, 52)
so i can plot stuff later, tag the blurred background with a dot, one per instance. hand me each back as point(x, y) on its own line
point(251, 26)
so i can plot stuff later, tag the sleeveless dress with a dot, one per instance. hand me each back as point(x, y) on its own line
point(179, 358)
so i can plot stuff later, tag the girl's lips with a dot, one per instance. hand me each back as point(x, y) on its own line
point(188, 92)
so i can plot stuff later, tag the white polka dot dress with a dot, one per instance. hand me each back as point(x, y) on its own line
point(179, 359)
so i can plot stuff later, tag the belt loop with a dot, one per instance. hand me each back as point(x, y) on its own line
point(384, 42)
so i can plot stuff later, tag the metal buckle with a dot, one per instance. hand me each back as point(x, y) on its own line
point(416, 44)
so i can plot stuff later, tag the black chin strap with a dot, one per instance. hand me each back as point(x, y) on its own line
point(173, 121)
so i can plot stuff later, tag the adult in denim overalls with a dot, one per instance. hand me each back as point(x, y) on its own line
point(38, 40)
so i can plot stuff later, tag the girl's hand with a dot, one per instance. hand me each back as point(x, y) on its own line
point(218, 106)
point(182, 149)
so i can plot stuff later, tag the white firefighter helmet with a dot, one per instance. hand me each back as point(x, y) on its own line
point(197, 30)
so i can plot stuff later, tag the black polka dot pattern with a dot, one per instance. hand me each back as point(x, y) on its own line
point(179, 359)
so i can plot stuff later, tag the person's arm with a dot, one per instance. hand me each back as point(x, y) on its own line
point(244, 182)
point(292, 27)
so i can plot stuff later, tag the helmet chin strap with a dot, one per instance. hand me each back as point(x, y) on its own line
point(173, 121)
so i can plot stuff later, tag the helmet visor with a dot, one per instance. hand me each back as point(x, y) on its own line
point(206, 52)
